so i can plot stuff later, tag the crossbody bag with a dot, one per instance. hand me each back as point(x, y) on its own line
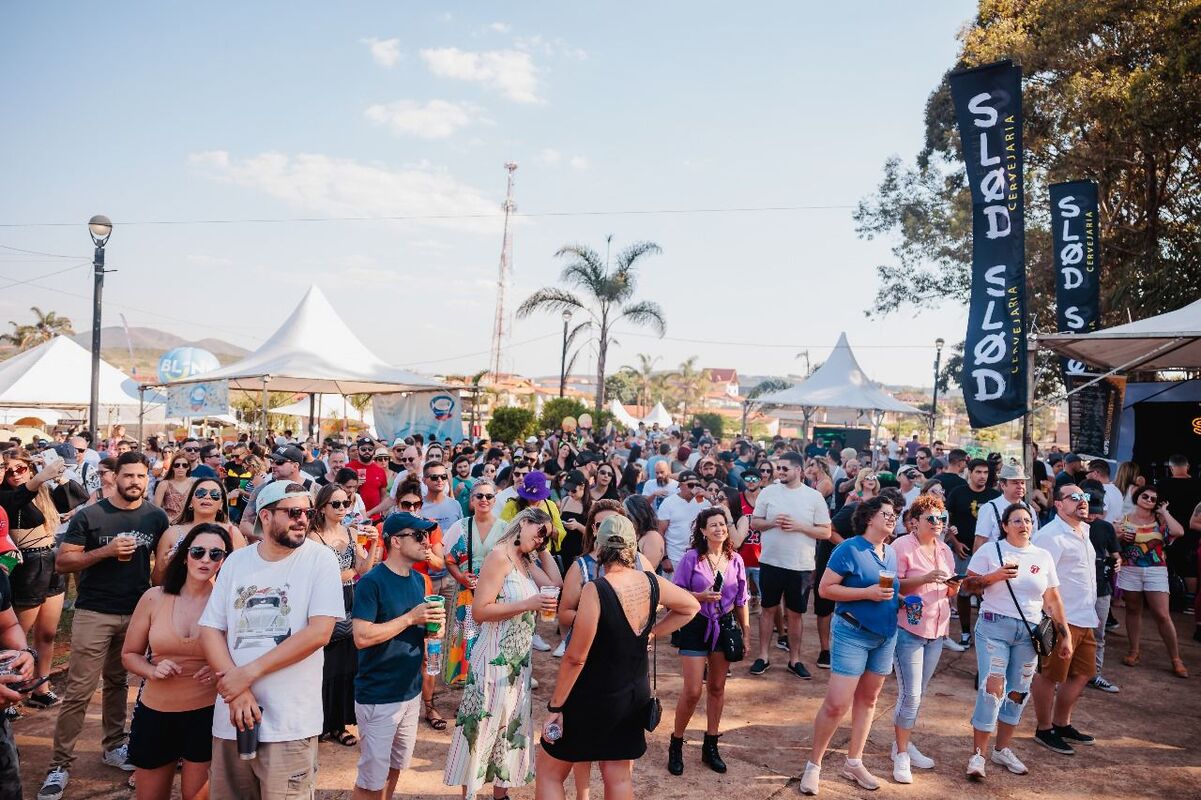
point(1044, 635)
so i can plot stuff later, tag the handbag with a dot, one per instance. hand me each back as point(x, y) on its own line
point(654, 708)
point(1044, 635)
point(729, 638)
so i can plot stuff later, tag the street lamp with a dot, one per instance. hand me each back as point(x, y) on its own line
point(938, 343)
point(563, 360)
point(100, 228)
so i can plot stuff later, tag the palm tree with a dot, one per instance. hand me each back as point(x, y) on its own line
point(644, 374)
point(45, 327)
point(608, 298)
point(689, 382)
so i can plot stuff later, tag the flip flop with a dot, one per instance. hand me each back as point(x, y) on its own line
point(434, 718)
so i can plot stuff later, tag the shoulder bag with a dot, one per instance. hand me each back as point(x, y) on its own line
point(730, 640)
point(654, 708)
point(1044, 636)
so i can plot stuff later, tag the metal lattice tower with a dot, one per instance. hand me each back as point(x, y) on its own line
point(500, 326)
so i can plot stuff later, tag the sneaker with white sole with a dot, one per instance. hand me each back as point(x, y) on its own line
point(533, 683)
point(916, 757)
point(560, 650)
point(119, 758)
point(54, 785)
point(859, 774)
point(975, 765)
point(1006, 758)
point(901, 773)
point(811, 779)
point(1104, 685)
point(953, 646)
point(540, 644)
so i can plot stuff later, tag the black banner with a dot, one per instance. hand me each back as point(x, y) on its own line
point(1094, 415)
point(1076, 234)
point(988, 109)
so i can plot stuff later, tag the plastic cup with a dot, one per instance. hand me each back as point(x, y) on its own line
point(438, 600)
point(886, 578)
point(548, 591)
point(127, 556)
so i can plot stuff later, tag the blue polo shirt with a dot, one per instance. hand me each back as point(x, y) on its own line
point(389, 672)
point(859, 565)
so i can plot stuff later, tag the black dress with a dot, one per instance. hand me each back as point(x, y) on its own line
point(604, 716)
point(341, 660)
point(572, 546)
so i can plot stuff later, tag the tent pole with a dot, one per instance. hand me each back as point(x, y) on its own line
point(1028, 418)
point(312, 412)
point(141, 414)
point(264, 408)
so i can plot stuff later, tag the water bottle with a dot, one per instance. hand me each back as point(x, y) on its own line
point(433, 656)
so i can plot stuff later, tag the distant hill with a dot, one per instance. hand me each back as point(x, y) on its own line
point(149, 344)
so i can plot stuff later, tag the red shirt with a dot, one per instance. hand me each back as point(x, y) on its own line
point(373, 480)
point(752, 545)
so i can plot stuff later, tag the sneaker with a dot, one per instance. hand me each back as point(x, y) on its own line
point(954, 646)
point(1053, 741)
point(1104, 685)
point(954, 612)
point(54, 785)
point(12, 714)
point(823, 659)
point(975, 765)
point(782, 643)
point(901, 773)
point(1009, 761)
point(810, 779)
point(965, 639)
point(119, 758)
point(799, 670)
point(759, 667)
point(43, 699)
point(560, 650)
point(539, 644)
point(1111, 623)
point(916, 758)
point(859, 774)
point(1070, 734)
point(533, 683)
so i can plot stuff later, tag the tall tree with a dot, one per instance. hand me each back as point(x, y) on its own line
point(608, 298)
point(644, 375)
point(46, 325)
point(689, 383)
point(1111, 92)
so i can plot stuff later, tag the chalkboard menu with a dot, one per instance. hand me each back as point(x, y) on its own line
point(1094, 414)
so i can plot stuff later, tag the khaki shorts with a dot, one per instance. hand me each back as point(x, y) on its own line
point(1083, 660)
point(281, 771)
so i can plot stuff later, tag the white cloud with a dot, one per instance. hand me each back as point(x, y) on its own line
point(579, 162)
point(436, 119)
point(550, 157)
point(386, 52)
point(550, 47)
point(509, 71)
point(341, 187)
point(500, 27)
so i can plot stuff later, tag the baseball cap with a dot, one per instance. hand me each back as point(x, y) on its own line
point(404, 521)
point(1096, 501)
point(906, 469)
point(271, 493)
point(1054, 458)
point(362, 440)
point(688, 475)
point(616, 533)
point(1072, 458)
point(288, 453)
point(726, 455)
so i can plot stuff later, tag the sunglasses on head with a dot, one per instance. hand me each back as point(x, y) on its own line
point(296, 513)
point(203, 493)
point(410, 505)
point(936, 519)
point(214, 553)
point(340, 504)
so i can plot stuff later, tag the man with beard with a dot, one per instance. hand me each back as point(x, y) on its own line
point(285, 468)
point(109, 545)
point(1012, 482)
point(272, 609)
point(373, 478)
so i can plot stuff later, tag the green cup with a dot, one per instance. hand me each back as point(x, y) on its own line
point(435, 599)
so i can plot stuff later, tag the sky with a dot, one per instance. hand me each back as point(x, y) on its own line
point(187, 123)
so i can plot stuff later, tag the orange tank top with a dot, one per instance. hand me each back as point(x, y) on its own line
point(181, 692)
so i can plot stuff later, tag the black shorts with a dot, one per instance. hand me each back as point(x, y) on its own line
point(791, 584)
point(821, 606)
point(34, 580)
point(158, 738)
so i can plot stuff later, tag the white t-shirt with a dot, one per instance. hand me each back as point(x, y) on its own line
point(679, 514)
point(651, 486)
point(1076, 565)
point(1113, 504)
point(989, 515)
point(790, 549)
point(1036, 574)
point(445, 512)
point(911, 495)
point(259, 603)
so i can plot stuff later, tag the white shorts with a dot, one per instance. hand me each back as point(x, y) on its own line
point(387, 735)
point(1143, 579)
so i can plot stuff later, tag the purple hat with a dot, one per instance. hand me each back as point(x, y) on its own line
point(533, 487)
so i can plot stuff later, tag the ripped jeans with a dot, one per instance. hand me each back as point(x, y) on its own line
point(1003, 649)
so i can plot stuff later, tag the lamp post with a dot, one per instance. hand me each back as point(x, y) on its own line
point(938, 343)
point(563, 359)
point(100, 228)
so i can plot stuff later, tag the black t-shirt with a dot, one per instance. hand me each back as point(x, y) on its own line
point(962, 506)
point(951, 482)
point(315, 468)
point(1105, 541)
point(1181, 494)
point(6, 592)
point(111, 586)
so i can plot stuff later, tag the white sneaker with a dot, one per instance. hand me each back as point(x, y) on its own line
point(915, 756)
point(900, 768)
point(533, 683)
point(54, 785)
point(560, 650)
point(1009, 761)
point(810, 779)
point(119, 758)
point(539, 644)
point(1104, 685)
point(975, 765)
point(859, 774)
point(953, 646)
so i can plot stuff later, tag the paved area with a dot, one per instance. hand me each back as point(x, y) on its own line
point(1148, 744)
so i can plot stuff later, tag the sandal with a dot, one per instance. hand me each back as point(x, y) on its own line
point(435, 719)
point(1132, 659)
point(345, 738)
point(1178, 668)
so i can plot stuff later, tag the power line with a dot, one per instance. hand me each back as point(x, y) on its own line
point(771, 344)
point(35, 252)
point(28, 281)
point(481, 352)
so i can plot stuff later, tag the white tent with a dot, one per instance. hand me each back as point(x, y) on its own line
point(1167, 341)
point(621, 415)
point(58, 374)
point(328, 406)
point(658, 416)
point(9, 416)
point(315, 351)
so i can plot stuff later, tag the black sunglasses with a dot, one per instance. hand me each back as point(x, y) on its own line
point(936, 519)
point(203, 493)
point(417, 536)
point(296, 513)
point(406, 505)
point(191, 449)
point(441, 476)
point(339, 504)
point(214, 553)
point(484, 496)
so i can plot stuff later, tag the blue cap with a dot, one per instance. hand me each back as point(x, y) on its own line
point(404, 521)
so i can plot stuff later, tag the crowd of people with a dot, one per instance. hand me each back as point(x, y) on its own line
point(232, 579)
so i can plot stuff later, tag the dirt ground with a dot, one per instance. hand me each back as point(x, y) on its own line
point(1148, 743)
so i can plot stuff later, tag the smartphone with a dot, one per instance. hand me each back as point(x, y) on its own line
point(957, 578)
point(717, 582)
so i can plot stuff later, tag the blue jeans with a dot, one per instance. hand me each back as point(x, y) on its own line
point(1003, 649)
point(916, 658)
point(854, 651)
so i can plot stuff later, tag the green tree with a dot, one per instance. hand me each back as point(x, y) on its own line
point(689, 384)
point(511, 424)
point(622, 385)
point(1112, 93)
point(553, 412)
point(715, 422)
point(749, 403)
point(46, 326)
point(608, 298)
point(644, 375)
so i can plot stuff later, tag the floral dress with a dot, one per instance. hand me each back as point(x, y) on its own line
point(491, 742)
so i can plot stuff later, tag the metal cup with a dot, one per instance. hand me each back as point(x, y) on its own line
point(248, 740)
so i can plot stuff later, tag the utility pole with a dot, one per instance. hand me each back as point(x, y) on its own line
point(500, 324)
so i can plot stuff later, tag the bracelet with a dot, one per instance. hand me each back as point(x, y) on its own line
point(553, 709)
point(32, 654)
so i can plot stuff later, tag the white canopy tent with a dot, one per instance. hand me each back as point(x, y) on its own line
point(838, 383)
point(658, 416)
point(621, 415)
point(1166, 341)
point(58, 373)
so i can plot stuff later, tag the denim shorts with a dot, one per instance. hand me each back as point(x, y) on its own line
point(854, 651)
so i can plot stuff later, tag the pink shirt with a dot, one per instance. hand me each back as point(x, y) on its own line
point(913, 559)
